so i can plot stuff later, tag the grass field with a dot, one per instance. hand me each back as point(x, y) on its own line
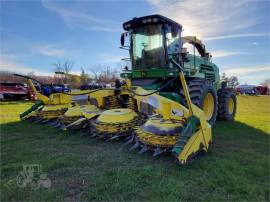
point(81, 168)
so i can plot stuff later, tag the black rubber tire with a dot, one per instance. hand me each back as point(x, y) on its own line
point(223, 104)
point(198, 89)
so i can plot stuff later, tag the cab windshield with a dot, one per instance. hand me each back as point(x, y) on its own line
point(148, 47)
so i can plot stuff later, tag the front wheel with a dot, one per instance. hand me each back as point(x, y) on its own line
point(203, 94)
point(226, 104)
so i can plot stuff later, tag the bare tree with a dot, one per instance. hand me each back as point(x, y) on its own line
point(67, 66)
point(109, 75)
point(85, 78)
point(233, 81)
point(224, 78)
point(105, 74)
point(57, 67)
point(96, 70)
point(265, 82)
point(31, 74)
point(7, 77)
point(64, 69)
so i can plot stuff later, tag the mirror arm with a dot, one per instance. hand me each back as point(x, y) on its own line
point(178, 66)
point(125, 47)
point(126, 59)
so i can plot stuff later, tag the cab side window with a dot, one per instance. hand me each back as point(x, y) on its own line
point(173, 42)
point(190, 49)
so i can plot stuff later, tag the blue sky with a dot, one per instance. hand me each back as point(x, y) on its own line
point(35, 34)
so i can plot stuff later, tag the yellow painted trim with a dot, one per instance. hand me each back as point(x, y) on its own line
point(231, 105)
point(40, 97)
point(120, 115)
point(208, 106)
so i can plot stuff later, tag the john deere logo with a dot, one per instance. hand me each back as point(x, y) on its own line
point(32, 175)
point(143, 74)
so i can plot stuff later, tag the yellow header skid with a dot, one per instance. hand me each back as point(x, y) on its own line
point(199, 140)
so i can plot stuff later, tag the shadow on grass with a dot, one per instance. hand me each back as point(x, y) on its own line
point(82, 168)
point(237, 135)
point(18, 102)
point(227, 137)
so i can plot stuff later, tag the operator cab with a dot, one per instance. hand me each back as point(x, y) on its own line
point(153, 40)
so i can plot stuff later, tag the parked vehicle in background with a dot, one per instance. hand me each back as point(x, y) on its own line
point(263, 90)
point(55, 88)
point(252, 89)
point(91, 86)
point(15, 91)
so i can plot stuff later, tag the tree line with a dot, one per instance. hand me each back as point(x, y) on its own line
point(62, 74)
point(97, 73)
point(232, 81)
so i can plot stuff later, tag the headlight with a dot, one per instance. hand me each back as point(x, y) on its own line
point(155, 19)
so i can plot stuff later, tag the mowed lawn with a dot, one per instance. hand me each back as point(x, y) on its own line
point(81, 168)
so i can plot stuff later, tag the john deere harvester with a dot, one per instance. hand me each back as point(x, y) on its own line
point(170, 98)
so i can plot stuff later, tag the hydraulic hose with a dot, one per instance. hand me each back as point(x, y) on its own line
point(89, 92)
point(133, 92)
point(28, 77)
point(156, 91)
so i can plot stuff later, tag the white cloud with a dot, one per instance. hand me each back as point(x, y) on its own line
point(109, 58)
point(248, 70)
point(75, 17)
point(51, 50)
point(6, 64)
point(222, 53)
point(231, 36)
point(100, 28)
point(212, 19)
point(253, 44)
point(250, 74)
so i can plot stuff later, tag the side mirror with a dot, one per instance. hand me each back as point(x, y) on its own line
point(122, 39)
point(174, 31)
point(184, 53)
